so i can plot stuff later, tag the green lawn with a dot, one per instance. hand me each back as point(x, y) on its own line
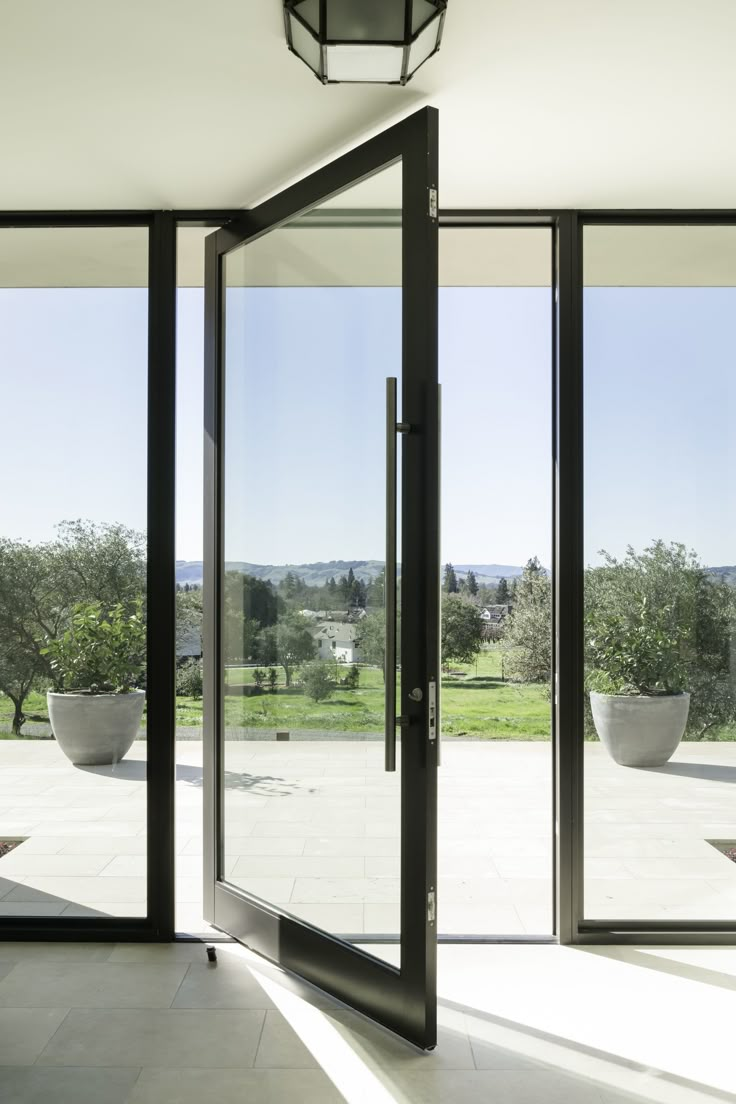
point(475, 701)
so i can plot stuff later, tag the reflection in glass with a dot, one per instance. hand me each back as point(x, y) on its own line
point(313, 328)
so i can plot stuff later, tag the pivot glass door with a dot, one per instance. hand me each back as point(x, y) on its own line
point(322, 578)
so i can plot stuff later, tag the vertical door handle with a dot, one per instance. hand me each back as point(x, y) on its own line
point(389, 578)
point(434, 681)
point(389, 588)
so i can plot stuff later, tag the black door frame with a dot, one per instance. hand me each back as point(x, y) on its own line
point(403, 999)
point(567, 226)
point(158, 925)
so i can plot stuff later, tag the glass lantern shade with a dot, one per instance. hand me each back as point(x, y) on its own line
point(374, 41)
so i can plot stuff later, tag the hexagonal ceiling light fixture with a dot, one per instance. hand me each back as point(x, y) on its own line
point(377, 41)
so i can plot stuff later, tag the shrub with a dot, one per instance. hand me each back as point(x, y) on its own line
point(638, 651)
point(317, 680)
point(351, 681)
point(189, 679)
point(100, 652)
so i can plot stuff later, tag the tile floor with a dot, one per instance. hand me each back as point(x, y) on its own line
point(142, 1024)
point(313, 826)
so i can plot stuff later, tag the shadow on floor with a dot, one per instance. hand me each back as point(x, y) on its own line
point(134, 770)
point(712, 772)
point(35, 903)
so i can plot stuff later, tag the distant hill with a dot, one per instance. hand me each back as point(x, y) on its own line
point(317, 574)
point(728, 574)
point(487, 574)
point(314, 574)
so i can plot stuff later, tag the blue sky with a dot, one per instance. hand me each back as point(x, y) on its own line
point(307, 477)
point(660, 455)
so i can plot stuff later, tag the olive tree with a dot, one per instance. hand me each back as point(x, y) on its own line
point(528, 634)
point(31, 610)
point(656, 622)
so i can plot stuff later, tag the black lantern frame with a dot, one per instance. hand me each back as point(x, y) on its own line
point(362, 41)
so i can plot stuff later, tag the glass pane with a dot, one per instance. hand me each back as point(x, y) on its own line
point(364, 63)
point(74, 353)
point(305, 44)
point(309, 11)
point(660, 544)
point(495, 784)
point(422, 10)
point(189, 582)
point(356, 21)
point(423, 47)
point(313, 328)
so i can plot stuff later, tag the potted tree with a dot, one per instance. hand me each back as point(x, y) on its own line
point(637, 677)
point(96, 708)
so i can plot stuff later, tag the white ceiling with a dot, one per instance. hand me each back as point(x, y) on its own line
point(180, 103)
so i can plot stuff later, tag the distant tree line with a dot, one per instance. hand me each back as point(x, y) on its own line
point(348, 592)
point(488, 595)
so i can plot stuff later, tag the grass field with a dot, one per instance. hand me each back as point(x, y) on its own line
point(475, 702)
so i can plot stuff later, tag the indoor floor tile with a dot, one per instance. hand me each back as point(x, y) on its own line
point(160, 952)
point(24, 1032)
point(498, 1087)
point(230, 983)
point(10, 951)
point(280, 1046)
point(172, 1037)
point(260, 1086)
point(38, 1085)
point(90, 985)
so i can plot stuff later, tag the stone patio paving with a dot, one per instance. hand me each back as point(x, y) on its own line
point(313, 826)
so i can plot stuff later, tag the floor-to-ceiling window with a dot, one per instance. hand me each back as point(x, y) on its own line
point(189, 589)
point(495, 783)
point(660, 545)
point(73, 563)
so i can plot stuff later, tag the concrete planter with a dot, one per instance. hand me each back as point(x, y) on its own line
point(639, 730)
point(93, 729)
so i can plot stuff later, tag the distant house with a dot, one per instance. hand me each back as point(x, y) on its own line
point(492, 618)
point(337, 640)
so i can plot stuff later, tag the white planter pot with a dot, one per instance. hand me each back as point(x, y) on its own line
point(92, 729)
point(639, 730)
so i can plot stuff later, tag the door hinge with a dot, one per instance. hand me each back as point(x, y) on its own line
point(431, 907)
point(433, 203)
